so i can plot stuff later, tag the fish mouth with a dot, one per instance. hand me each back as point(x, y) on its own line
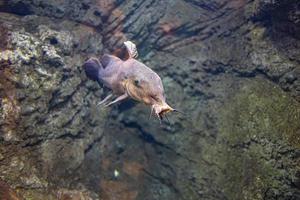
point(162, 110)
point(165, 111)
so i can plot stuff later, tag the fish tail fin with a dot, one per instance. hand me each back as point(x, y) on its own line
point(92, 68)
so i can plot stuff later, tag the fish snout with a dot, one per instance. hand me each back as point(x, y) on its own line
point(162, 109)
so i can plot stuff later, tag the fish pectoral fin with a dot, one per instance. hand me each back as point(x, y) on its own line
point(105, 100)
point(120, 98)
point(151, 112)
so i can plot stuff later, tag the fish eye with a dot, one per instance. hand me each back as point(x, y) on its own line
point(137, 83)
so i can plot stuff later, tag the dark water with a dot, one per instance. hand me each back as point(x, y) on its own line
point(231, 66)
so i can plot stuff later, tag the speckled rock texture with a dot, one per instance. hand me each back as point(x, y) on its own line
point(232, 66)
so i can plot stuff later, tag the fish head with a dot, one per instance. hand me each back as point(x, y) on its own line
point(149, 91)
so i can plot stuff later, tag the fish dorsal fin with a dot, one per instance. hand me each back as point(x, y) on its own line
point(107, 59)
point(131, 49)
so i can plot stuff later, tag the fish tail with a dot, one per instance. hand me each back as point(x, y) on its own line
point(92, 69)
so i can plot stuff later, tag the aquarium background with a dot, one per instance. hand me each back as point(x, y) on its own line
point(232, 66)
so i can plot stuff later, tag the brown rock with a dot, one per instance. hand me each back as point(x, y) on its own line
point(6, 193)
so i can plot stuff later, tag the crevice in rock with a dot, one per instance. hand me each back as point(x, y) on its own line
point(92, 144)
point(19, 8)
point(163, 181)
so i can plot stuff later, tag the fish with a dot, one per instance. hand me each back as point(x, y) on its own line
point(128, 78)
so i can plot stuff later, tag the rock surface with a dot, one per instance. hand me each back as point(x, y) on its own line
point(233, 66)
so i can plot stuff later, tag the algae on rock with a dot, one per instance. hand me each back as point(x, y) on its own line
point(259, 141)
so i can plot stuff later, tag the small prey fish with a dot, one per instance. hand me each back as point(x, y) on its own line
point(128, 78)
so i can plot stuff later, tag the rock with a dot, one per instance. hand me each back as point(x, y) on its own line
point(83, 11)
point(25, 48)
point(51, 57)
point(1, 157)
point(74, 194)
point(7, 193)
point(62, 39)
point(264, 121)
point(32, 69)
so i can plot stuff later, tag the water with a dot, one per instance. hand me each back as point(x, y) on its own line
point(231, 66)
